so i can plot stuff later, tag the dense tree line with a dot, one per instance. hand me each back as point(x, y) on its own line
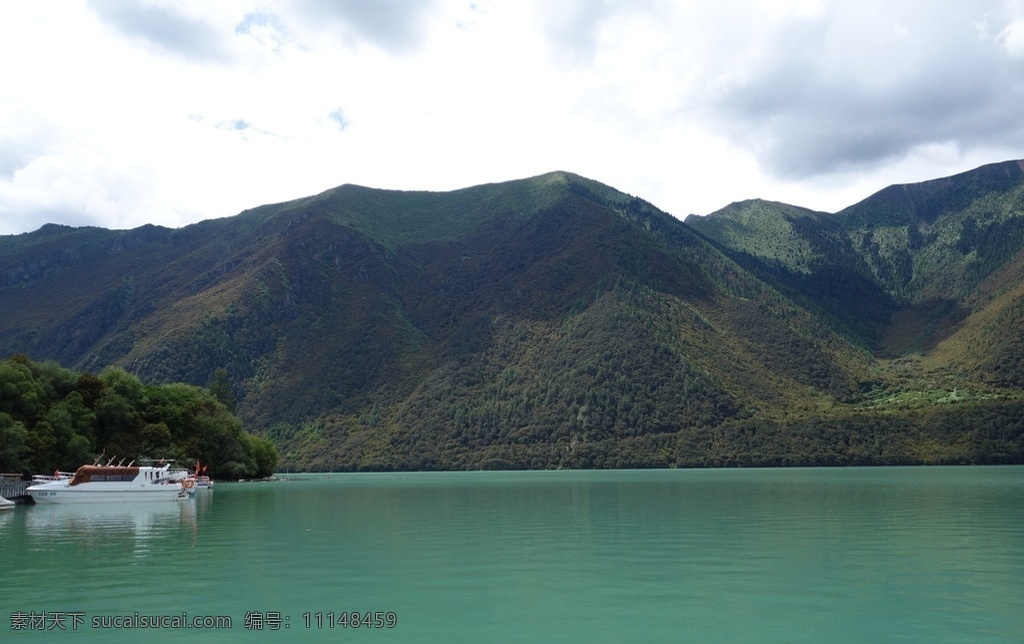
point(984, 433)
point(54, 418)
point(969, 434)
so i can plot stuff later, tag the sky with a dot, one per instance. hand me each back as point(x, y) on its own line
point(118, 114)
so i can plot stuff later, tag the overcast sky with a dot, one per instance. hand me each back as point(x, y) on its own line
point(117, 113)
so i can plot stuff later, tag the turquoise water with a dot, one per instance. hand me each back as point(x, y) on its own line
point(800, 555)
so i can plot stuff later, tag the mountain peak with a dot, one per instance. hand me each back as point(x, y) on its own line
point(926, 201)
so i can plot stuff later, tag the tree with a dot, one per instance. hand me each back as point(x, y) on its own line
point(21, 395)
point(13, 447)
point(220, 387)
point(264, 454)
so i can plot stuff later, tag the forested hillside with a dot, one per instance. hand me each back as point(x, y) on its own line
point(557, 322)
point(53, 418)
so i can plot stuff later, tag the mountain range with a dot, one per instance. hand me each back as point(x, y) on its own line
point(557, 322)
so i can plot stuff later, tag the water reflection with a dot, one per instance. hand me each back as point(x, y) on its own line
point(6, 516)
point(129, 526)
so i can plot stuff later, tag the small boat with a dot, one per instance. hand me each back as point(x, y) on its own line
point(114, 484)
point(200, 480)
point(6, 504)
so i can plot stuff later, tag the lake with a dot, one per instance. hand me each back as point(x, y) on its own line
point(765, 555)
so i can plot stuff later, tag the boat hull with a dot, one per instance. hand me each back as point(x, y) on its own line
point(44, 495)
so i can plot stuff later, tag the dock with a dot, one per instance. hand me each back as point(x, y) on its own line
point(15, 489)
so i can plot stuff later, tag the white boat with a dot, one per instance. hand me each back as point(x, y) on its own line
point(6, 504)
point(114, 484)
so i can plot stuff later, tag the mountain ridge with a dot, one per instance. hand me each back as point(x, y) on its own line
point(554, 321)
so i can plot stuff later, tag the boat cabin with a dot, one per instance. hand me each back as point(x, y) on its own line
point(100, 473)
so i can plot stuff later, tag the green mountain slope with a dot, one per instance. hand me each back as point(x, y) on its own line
point(808, 256)
point(939, 239)
point(555, 322)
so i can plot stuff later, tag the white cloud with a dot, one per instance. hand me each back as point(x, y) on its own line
point(119, 114)
point(1012, 38)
